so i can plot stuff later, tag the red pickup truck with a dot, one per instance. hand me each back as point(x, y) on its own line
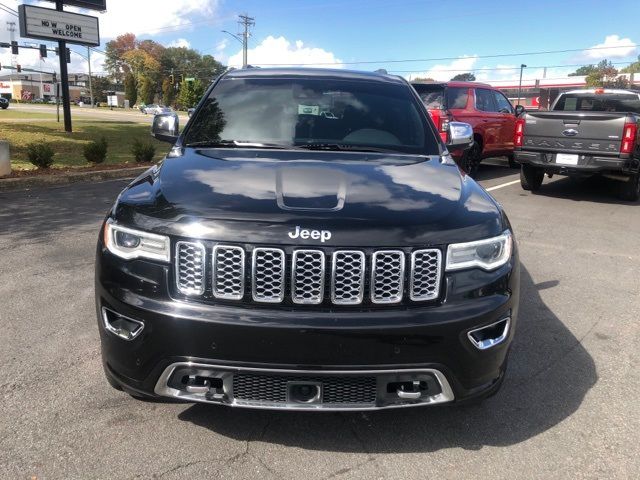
point(488, 111)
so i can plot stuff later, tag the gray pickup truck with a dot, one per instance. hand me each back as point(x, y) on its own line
point(587, 132)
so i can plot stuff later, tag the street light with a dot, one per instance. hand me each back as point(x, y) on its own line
point(244, 47)
point(522, 67)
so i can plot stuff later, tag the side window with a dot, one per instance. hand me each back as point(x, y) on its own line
point(485, 101)
point(457, 97)
point(502, 102)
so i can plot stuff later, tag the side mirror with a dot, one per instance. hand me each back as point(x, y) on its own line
point(166, 127)
point(460, 135)
point(519, 110)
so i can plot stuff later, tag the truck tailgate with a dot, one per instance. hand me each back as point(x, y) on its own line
point(596, 133)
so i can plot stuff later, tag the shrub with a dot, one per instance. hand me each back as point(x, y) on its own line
point(40, 154)
point(96, 152)
point(142, 152)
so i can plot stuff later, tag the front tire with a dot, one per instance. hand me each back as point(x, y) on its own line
point(531, 178)
point(630, 190)
point(470, 160)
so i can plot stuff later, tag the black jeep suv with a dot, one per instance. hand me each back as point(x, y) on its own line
point(308, 243)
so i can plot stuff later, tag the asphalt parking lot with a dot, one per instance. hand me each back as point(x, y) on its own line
point(568, 408)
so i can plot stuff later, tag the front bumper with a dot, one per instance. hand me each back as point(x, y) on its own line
point(394, 346)
point(587, 164)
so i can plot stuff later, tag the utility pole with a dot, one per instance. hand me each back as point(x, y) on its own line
point(522, 67)
point(11, 27)
point(90, 80)
point(245, 22)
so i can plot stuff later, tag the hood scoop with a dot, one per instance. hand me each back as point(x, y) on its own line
point(310, 189)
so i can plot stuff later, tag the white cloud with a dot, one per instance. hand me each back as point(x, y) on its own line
point(221, 45)
point(180, 43)
point(281, 51)
point(447, 71)
point(152, 17)
point(612, 47)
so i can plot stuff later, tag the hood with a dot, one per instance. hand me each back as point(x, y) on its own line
point(259, 196)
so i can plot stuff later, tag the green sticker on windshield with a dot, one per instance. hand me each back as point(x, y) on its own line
point(308, 110)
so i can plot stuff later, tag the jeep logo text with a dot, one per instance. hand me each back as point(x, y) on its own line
point(303, 233)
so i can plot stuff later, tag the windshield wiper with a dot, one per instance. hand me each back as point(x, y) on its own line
point(346, 147)
point(239, 144)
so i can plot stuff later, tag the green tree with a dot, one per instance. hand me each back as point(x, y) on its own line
point(190, 93)
point(465, 77)
point(585, 70)
point(168, 92)
point(605, 75)
point(131, 89)
point(633, 68)
point(101, 85)
point(147, 89)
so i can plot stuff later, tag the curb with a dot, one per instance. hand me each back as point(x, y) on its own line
point(71, 177)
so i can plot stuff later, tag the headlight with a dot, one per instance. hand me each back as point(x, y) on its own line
point(128, 243)
point(487, 254)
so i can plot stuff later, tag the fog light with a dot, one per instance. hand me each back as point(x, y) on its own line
point(121, 326)
point(490, 335)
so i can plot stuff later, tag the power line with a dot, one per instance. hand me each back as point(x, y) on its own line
point(408, 60)
point(8, 9)
point(492, 69)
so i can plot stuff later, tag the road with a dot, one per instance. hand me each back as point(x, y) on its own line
point(568, 408)
point(86, 113)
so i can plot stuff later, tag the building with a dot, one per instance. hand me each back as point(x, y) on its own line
point(541, 93)
point(30, 86)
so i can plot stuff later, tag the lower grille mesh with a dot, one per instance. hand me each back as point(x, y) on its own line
point(273, 388)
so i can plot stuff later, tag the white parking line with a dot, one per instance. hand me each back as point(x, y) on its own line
point(502, 185)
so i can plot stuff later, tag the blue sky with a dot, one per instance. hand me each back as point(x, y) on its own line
point(314, 31)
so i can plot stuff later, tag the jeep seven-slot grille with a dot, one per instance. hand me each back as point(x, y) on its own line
point(308, 276)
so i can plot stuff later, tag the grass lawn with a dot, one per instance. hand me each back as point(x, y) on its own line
point(22, 128)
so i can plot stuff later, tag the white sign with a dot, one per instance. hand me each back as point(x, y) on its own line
point(48, 24)
point(112, 100)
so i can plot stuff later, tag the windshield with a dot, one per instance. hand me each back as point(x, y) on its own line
point(599, 102)
point(306, 112)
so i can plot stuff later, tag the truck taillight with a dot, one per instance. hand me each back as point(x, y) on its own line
point(519, 136)
point(629, 134)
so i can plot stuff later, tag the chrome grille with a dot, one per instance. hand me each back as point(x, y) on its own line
point(425, 274)
point(347, 277)
point(307, 276)
point(387, 276)
point(190, 259)
point(268, 275)
point(228, 272)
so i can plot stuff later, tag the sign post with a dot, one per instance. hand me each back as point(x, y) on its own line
point(64, 77)
point(58, 25)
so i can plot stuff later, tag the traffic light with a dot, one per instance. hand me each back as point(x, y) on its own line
point(55, 77)
point(68, 55)
point(14, 47)
point(19, 68)
point(171, 79)
point(43, 51)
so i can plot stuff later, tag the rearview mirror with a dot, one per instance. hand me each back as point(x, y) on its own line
point(460, 135)
point(519, 110)
point(166, 127)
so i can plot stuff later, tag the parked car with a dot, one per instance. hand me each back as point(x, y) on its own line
point(308, 244)
point(587, 132)
point(4, 103)
point(484, 107)
point(155, 109)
